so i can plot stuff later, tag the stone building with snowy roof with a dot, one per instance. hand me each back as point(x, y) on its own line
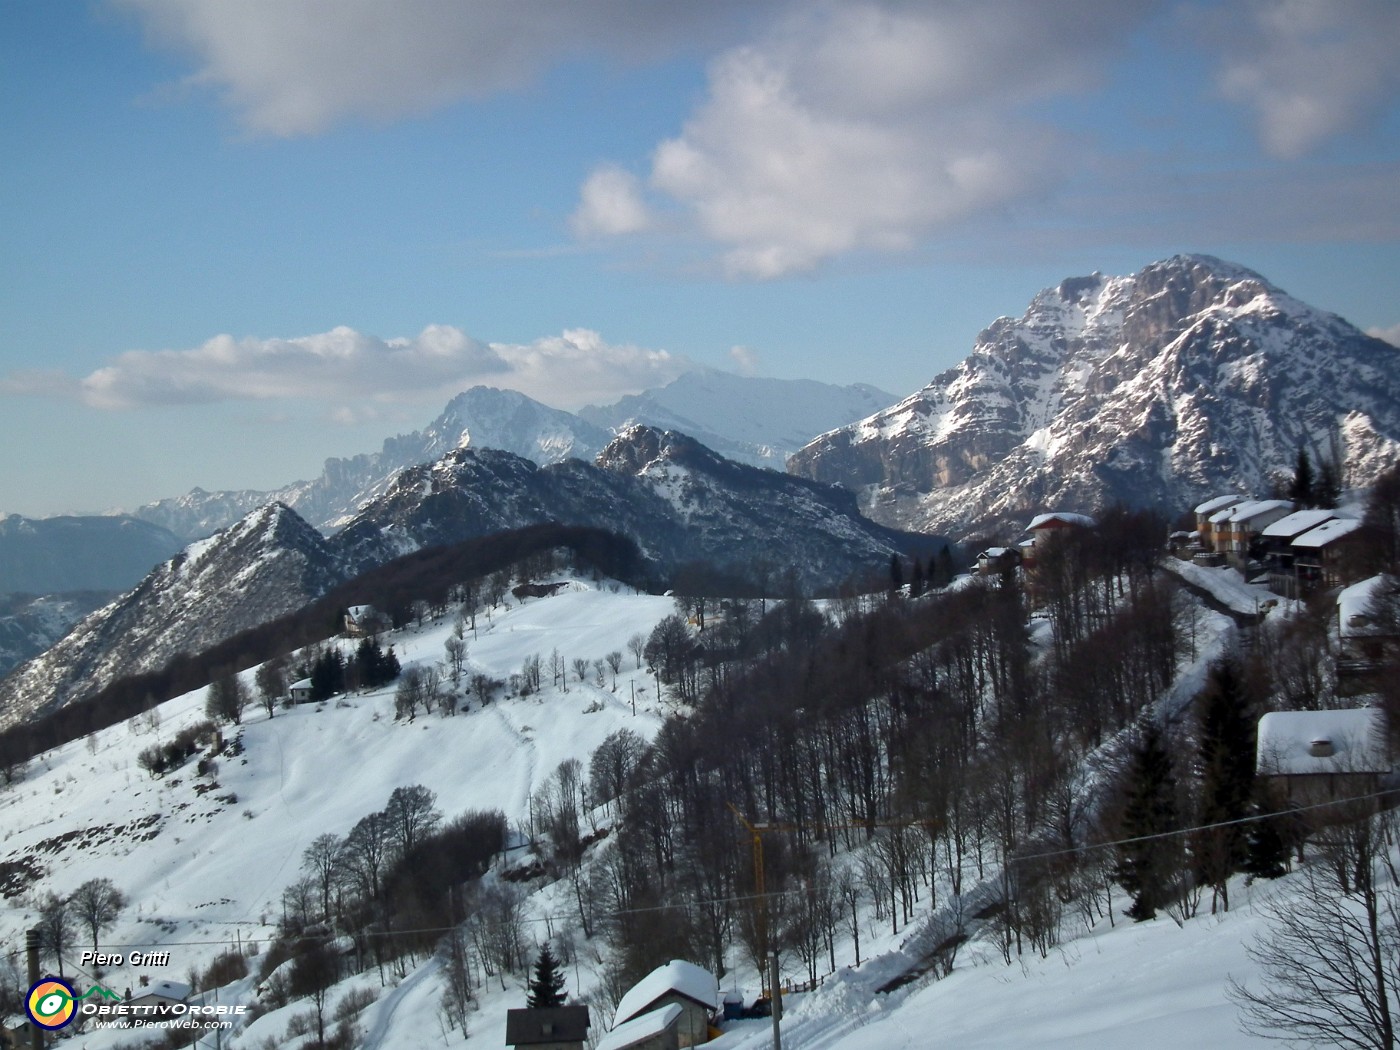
point(693, 988)
point(654, 1030)
point(1043, 528)
point(1368, 633)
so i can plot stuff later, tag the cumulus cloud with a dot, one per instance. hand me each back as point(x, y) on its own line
point(745, 360)
point(355, 372)
point(610, 203)
point(865, 126)
point(298, 68)
point(1308, 69)
point(1391, 335)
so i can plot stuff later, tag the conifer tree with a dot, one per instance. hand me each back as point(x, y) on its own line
point(546, 985)
point(1226, 747)
point(1301, 489)
point(1146, 867)
point(1266, 848)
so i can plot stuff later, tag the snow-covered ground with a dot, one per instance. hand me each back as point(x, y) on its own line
point(205, 871)
point(1227, 587)
point(204, 868)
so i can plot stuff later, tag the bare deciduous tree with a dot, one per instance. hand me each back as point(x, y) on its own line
point(96, 904)
point(1330, 959)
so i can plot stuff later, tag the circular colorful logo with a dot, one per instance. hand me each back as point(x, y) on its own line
point(50, 1003)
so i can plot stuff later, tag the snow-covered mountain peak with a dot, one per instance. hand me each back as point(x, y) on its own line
point(1157, 388)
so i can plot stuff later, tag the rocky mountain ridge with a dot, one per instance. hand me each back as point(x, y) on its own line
point(1192, 377)
point(752, 420)
point(676, 499)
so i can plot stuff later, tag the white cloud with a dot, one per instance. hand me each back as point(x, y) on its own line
point(1391, 335)
point(745, 360)
point(867, 126)
point(354, 372)
point(294, 68)
point(1309, 69)
point(610, 203)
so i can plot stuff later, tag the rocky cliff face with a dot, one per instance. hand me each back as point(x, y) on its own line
point(1190, 377)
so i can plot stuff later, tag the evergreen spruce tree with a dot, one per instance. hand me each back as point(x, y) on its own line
point(546, 985)
point(945, 566)
point(916, 580)
point(1147, 868)
point(1266, 848)
point(896, 573)
point(1301, 490)
point(1225, 731)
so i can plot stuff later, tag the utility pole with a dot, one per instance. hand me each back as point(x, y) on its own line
point(765, 948)
point(31, 949)
point(776, 1002)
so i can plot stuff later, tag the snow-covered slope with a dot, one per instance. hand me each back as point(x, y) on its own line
point(749, 419)
point(676, 499)
point(29, 624)
point(269, 564)
point(204, 864)
point(1191, 377)
point(204, 861)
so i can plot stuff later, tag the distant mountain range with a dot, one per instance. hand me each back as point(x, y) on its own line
point(99, 553)
point(679, 501)
point(1192, 377)
point(751, 420)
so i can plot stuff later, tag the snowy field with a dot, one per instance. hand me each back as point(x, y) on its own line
point(205, 871)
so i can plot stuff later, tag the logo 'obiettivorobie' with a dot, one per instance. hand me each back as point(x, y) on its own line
point(51, 1004)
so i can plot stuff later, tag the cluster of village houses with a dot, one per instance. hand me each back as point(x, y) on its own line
point(1317, 757)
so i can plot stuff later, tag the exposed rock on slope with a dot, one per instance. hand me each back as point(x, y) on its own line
point(1190, 377)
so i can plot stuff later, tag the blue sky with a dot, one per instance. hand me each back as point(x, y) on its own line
point(242, 237)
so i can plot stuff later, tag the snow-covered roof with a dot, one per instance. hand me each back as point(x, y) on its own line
point(1327, 532)
point(166, 990)
point(1351, 741)
point(1041, 520)
point(1210, 506)
point(1353, 605)
point(1254, 508)
point(640, 1028)
point(305, 683)
point(994, 552)
point(684, 978)
point(1297, 523)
